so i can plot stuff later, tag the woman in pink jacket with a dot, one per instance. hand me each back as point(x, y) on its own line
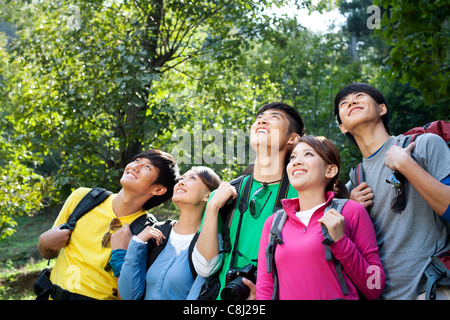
point(303, 271)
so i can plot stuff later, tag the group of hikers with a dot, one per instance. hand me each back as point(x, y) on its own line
point(373, 239)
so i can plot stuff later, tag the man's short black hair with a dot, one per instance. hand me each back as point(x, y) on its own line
point(168, 174)
point(295, 121)
point(374, 93)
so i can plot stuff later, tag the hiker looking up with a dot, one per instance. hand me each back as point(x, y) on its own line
point(83, 254)
point(169, 277)
point(409, 188)
point(273, 134)
point(301, 266)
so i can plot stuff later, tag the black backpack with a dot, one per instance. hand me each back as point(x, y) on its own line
point(153, 250)
point(275, 238)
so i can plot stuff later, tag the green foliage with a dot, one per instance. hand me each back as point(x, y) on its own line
point(84, 95)
point(289, 64)
point(21, 192)
point(417, 33)
point(21, 189)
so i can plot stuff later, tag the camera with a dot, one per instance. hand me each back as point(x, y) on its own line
point(235, 289)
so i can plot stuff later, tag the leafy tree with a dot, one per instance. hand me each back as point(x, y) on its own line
point(83, 92)
point(289, 64)
point(21, 189)
point(417, 33)
point(409, 105)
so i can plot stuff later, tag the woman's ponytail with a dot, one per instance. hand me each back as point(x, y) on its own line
point(340, 190)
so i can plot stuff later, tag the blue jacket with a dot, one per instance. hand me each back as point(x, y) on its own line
point(168, 278)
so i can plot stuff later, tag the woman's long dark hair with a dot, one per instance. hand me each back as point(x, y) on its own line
point(330, 154)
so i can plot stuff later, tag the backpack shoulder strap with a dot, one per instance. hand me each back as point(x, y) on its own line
point(152, 249)
point(275, 238)
point(357, 175)
point(92, 199)
point(191, 250)
point(227, 212)
point(282, 192)
point(404, 140)
point(141, 222)
point(336, 204)
point(436, 272)
point(357, 172)
point(243, 204)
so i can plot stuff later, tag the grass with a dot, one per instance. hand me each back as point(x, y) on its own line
point(17, 283)
point(20, 261)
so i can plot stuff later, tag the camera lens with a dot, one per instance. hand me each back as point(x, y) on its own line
point(235, 290)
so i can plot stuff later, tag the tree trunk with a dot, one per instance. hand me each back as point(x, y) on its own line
point(135, 128)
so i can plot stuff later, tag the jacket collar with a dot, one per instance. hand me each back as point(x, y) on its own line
point(291, 206)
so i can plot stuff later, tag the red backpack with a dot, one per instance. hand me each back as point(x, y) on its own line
point(439, 127)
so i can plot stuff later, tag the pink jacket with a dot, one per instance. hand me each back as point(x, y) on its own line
point(303, 271)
